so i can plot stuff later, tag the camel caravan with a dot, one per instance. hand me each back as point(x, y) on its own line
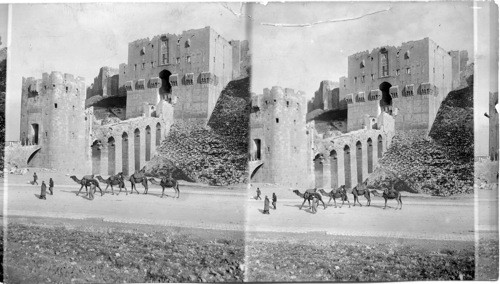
point(139, 177)
point(361, 189)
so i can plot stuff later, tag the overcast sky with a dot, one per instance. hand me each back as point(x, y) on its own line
point(81, 38)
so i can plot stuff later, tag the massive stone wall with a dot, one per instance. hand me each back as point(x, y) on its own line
point(105, 84)
point(191, 69)
point(392, 77)
point(53, 116)
point(280, 140)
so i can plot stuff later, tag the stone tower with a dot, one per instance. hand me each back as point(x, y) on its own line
point(278, 138)
point(53, 117)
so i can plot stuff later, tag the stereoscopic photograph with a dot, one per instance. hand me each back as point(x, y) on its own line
point(249, 142)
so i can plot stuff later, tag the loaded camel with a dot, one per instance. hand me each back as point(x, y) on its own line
point(139, 177)
point(167, 182)
point(392, 194)
point(117, 179)
point(337, 193)
point(308, 196)
point(359, 190)
point(86, 181)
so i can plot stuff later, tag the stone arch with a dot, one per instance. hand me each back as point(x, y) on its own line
point(347, 166)
point(386, 99)
point(125, 153)
point(334, 175)
point(32, 156)
point(111, 156)
point(137, 149)
point(359, 161)
point(148, 143)
point(318, 171)
point(256, 170)
point(158, 134)
point(380, 146)
point(96, 157)
point(369, 151)
point(166, 87)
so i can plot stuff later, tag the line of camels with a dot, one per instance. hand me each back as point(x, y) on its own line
point(139, 177)
point(341, 192)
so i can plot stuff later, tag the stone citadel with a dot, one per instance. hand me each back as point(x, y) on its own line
point(342, 133)
point(166, 78)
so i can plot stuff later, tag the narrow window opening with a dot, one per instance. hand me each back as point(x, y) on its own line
point(277, 120)
point(55, 105)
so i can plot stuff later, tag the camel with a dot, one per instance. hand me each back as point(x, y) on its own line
point(117, 179)
point(308, 196)
point(392, 194)
point(87, 181)
point(139, 177)
point(167, 182)
point(337, 193)
point(361, 189)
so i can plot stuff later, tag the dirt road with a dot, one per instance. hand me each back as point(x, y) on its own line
point(236, 209)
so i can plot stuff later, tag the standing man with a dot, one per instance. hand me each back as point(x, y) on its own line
point(275, 199)
point(35, 178)
point(266, 205)
point(51, 186)
point(315, 204)
point(44, 191)
point(258, 194)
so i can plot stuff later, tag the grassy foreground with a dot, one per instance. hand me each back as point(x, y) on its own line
point(37, 254)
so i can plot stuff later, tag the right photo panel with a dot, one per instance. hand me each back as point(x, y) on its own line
point(373, 154)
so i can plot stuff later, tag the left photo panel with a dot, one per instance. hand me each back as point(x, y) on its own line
point(126, 142)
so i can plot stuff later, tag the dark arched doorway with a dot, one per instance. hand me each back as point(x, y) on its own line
point(386, 99)
point(96, 157)
point(359, 161)
point(334, 169)
point(347, 166)
point(111, 156)
point(158, 134)
point(379, 147)
point(148, 143)
point(125, 153)
point(370, 155)
point(318, 171)
point(137, 149)
point(166, 87)
point(34, 134)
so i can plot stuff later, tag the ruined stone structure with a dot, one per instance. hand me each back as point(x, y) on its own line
point(53, 117)
point(168, 76)
point(287, 151)
point(409, 81)
point(189, 70)
point(493, 135)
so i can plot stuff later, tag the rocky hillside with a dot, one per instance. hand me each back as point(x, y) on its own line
point(441, 163)
point(215, 153)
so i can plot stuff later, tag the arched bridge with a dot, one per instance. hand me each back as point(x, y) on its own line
point(253, 166)
point(19, 155)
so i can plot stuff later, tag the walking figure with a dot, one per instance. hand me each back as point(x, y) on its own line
point(266, 205)
point(258, 194)
point(314, 204)
point(51, 186)
point(44, 191)
point(92, 189)
point(35, 177)
point(275, 199)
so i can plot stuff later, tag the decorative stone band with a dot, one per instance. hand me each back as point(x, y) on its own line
point(394, 92)
point(360, 97)
point(140, 84)
point(409, 90)
point(129, 85)
point(206, 77)
point(375, 95)
point(189, 78)
point(154, 82)
point(348, 98)
point(174, 79)
point(426, 89)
